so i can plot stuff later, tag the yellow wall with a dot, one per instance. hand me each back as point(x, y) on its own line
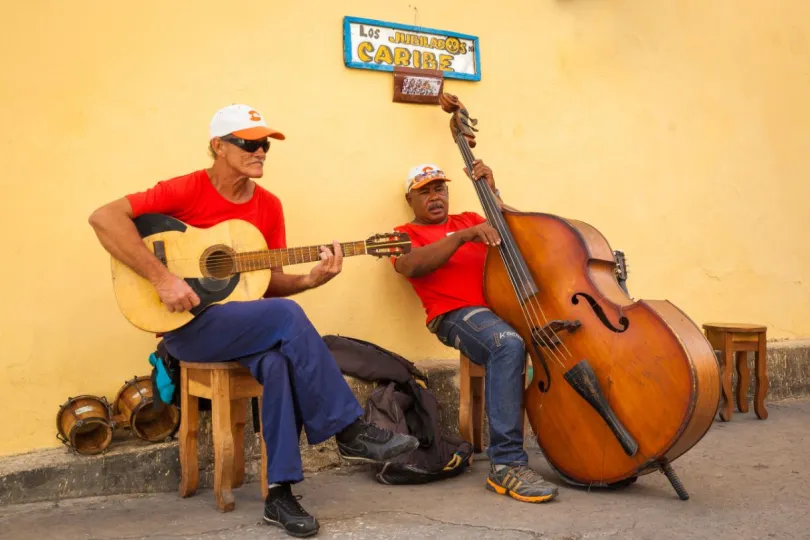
point(679, 128)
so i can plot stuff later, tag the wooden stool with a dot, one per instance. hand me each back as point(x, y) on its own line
point(733, 339)
point(471, 403)
point(229, 386)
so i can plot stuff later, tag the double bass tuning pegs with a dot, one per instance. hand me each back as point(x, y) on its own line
point(467, 121)
point(460, 122)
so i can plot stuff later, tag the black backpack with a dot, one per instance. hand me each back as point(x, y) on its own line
point(402, 403)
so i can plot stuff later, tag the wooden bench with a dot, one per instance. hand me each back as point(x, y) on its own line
point(737, 340)
point(229, 386)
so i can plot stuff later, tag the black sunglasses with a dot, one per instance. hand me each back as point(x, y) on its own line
point(246, 145)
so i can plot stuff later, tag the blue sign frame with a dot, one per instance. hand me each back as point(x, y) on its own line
point(347, 52)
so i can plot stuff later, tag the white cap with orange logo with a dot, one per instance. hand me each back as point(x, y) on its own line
point(241, 121)
point(423, 174)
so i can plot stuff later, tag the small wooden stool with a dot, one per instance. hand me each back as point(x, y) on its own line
point(471, 403)
point(229, 386)
point(733, 339)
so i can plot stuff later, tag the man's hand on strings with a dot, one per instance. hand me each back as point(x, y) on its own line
point(483, 233)
point(331, 264)
point(481, 171)
point(176, 294)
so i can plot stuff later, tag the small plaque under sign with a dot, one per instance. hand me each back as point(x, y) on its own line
point(417, 85)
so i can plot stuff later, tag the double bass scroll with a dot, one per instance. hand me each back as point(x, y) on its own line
point(621, 387)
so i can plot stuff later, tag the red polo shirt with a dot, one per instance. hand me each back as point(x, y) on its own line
point(460, 281)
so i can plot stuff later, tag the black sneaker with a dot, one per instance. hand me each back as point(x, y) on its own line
point(376, 445)
point(282, 510)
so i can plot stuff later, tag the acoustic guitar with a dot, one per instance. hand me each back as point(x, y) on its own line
point(224, 263)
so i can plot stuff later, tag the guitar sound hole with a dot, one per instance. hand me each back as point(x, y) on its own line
point(219, 264)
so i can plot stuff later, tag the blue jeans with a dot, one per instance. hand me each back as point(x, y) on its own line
point(488, 341)
point(303, 386)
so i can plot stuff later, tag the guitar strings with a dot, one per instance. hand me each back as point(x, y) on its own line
point(291, 253)
point(222, 262)
point(281, 251)
point(268, 253)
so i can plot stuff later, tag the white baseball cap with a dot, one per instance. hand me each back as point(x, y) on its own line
point(423, 174)
point(241, 121)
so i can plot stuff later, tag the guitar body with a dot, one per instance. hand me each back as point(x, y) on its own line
point(187, 251)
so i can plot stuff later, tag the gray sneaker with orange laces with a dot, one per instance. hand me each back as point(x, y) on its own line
point(520, 482)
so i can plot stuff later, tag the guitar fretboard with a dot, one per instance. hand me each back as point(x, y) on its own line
point(275, 258)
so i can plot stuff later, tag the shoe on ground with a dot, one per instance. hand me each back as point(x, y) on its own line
point(520, 482)
point(376, 445)
point(282, 510)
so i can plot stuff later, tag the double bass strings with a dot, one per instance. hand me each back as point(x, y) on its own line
point(510, 260)
point(509, 255)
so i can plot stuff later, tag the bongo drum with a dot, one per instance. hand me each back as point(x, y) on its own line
point(83, 424)
point(134, 406)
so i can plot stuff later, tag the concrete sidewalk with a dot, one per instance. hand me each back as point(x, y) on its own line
point(747, 479)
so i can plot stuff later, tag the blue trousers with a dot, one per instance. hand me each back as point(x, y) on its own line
point(488, 341)
point(303, 386)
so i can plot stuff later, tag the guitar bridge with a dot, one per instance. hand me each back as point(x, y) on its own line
point(160, 251)
point(546, 336)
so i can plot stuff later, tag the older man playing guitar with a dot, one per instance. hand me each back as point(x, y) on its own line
point(271, 336)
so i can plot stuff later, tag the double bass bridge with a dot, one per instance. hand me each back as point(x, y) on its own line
point(546, 336)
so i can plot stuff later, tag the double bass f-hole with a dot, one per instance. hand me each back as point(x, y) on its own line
point(597, 309)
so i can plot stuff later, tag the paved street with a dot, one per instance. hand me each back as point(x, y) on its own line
point(748, 479)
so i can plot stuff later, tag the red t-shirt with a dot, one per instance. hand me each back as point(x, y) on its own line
point(460, 281)
point(194, 200)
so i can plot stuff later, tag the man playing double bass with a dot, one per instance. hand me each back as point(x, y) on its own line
point(446, 269)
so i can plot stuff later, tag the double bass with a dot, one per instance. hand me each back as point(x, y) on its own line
point(621, 387)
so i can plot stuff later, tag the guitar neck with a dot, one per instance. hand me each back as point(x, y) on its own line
point(276, 258)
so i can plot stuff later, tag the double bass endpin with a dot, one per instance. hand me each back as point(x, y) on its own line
point(666, 468)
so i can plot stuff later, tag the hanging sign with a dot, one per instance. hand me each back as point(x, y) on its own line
point(370, 44)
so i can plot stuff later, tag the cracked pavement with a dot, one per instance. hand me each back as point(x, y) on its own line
point(747, 480)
